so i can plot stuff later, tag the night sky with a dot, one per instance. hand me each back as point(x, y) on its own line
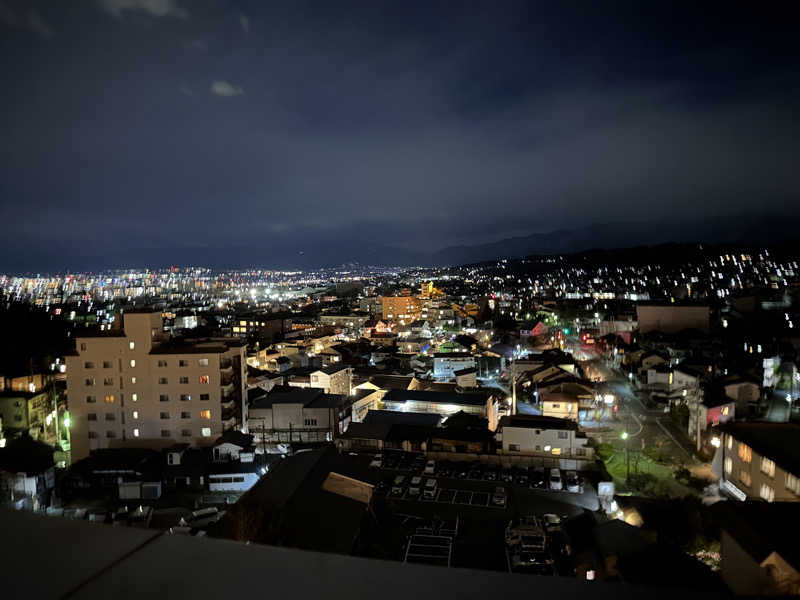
point(174, 131)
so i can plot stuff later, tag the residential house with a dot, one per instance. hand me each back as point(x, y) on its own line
point(289, 414)
point(542, 436)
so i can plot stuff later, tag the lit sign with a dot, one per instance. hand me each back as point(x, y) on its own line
point(734, 491)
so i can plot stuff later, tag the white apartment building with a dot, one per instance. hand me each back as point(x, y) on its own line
point(447, 363)
point(542, 436)
point(134, 387)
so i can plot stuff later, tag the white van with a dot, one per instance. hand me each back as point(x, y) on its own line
point(555, 480)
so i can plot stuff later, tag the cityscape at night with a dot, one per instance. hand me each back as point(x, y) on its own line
point(410, 299)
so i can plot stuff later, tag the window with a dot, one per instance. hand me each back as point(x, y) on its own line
point(133, 380)
point(556, 406)
point(163, 398)
point(728, 465)
point(767, 466)
point(162, 381)
point(89, 381)
point(205, 432)
point(165, 415)
point(206, 414)
point(18, 417)
point(547, 448)
point(109, 398)
point(110, 417)
point(203, 362)
point(556, 451)
point(767, 492)
point(183, 363)
point(132, 345)
point(724, 410)
point(162, 363)
point(91, 399)
point(204, 379)
point(185, 397)
point(186, 432)
point(203, 396)
point(186, 415)
point(165, 433)
point(729, 441)
point(309, 422)
point(563, 435)
point(745, 452)
point(793, 483)
point(88, 365)
point(744, 477)
point(108, 381)
point(184, 380)
point(134, 397)
point(91, 417)
point(135, 431)
point(92, 435)
point(83, 347)
point(135, 414)
point(110, 434)
point(106, 364)
point(513, 447)
point(133, 362)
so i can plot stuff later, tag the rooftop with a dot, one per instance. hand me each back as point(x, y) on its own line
point(537, 422)
point(469, 399)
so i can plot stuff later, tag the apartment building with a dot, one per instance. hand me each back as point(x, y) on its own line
point(542, 436)
point(335, 379)
point(401, 308)
point(445, 364)
point(134, 387)
point(289, 414)
point(759, 461)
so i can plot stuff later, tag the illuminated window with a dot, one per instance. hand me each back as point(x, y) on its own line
point(134, 397)
point(793, 483)
point(728, 465)
point(205, 431)
point(557, 451)
point(133, 363)
point(132, 345)
point(133, 380)
point(109, 398)
point(206, 414)
point(767, 492)
point(203, 362)
point(203, 378)
point(136, 414)
point(745, 452)
point(547, 448)
point(767, 466)
point(729, 441)
point(744, 477)
point(135, 431)
point(724, 410)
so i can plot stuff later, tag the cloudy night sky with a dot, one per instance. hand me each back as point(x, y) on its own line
point(136, 132)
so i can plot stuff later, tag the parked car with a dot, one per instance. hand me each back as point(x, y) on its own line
point(555, 480)
point(430, 467)
point(507, 475)
point(377, 461)
point(398, 486)
point(521, 476)
point(414, 487)
point(430, 488)
point(536, 477)
point(573, 483)
point(499, 496)
point(552, 522)
point(490, 474)
point(418, 464)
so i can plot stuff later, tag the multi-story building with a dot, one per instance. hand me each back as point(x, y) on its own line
point(445, 364)
point(542, 436)
point(333, 380)
point(290, 414)
point(759, 461)
point(134, 387)
point(401, 308)
point(265, 326)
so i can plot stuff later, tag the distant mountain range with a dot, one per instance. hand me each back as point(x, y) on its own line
point(739, 230)
point(308, 252)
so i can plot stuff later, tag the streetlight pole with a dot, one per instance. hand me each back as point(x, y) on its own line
point(624, 436)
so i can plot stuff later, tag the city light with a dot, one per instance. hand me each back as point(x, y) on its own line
point(624, 435)
point(715, 442)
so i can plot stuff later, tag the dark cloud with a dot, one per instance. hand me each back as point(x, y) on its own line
point(406, 125)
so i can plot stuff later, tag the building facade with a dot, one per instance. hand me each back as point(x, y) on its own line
point(136, 388)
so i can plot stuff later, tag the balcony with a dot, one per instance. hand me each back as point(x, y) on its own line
point(226, 389)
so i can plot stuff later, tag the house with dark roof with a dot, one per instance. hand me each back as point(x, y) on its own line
point(549, 437)
point(480, 403)
point(298, 414)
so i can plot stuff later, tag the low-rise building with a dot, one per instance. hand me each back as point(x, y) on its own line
point(288, 414)
point(541, 436)
point(445, 364)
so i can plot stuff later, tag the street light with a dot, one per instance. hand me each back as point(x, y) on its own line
point(624, 436)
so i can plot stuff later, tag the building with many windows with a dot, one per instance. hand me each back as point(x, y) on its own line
point(135, 387)
point(759, 461)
